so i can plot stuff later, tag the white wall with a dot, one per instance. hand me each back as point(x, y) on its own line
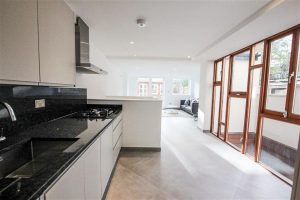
point(166, 69)
point(205, 94)
point(99, 86)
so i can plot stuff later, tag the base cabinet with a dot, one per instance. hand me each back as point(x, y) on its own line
point(106, 156)
point(88, 177)
point(92, 172)
point(71, 185)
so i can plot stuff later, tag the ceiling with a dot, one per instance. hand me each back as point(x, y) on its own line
point(175, 29)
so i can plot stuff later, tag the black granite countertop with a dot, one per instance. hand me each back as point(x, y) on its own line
point(86, 131)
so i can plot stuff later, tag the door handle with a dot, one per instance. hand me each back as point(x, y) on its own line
point(291, 76)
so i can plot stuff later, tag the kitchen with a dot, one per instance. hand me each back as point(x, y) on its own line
point(92, 98)
point(52, 136)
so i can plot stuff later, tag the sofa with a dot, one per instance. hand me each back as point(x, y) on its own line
point(190, 106)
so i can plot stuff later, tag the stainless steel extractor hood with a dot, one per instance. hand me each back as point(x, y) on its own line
point(82, 48)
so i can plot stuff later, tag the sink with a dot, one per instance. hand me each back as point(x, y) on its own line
point(27, 158)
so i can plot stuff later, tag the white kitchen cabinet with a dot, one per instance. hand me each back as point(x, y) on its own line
point(88, 177)
point(92, 172)
point(107, 160)
point(56, 42)
point(19, 59)
point(71, 185)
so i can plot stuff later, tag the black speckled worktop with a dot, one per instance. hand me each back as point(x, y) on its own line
point(67, 127)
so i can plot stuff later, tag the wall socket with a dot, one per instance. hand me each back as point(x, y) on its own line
point(40, 103)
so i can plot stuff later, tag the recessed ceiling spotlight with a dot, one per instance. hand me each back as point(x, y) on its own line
point(141, 22)
point(134, 55)
point(189, 57)
point(131, 42)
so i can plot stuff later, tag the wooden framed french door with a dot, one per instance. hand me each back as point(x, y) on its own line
point(216, 97)
point(236, 116)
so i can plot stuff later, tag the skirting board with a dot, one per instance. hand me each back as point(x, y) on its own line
point(143, 149)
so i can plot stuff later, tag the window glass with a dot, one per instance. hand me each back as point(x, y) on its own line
point(216, 108)
point(236, 121)
point(143, 86)
point(225, 87)
point(240, 72)
point(279, 63)
point(181, 87)
point(257, 51)
point(255, 95)
point(219, 71)
point(157, 86)
point(296, 104)
point(279, 146)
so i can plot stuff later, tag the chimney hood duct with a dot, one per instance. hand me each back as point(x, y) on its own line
point(82, 48)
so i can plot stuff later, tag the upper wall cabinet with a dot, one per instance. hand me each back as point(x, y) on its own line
point(56, 42)
point(19, 41)
point(37, 42)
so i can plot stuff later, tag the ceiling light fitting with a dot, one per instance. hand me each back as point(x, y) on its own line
point(141, 22)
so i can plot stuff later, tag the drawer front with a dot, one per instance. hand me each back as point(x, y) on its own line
point(117, 148)
point(117, 132)
point(116, 121)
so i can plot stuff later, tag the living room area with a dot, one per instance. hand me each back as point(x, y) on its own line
point(176, 82)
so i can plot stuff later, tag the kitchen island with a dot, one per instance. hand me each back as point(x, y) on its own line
point(141, 121)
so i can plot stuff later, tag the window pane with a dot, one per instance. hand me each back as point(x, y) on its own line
point(216, 108)
point(143, 86)
point(240, 71)
point(279, 146)
point(181, 87)
point(225, 88)
point(296, 106)
point(157, 86)
point(236, 121)
point(219, 71)
point(279, 64)
point(256, 84)
point(258, 51)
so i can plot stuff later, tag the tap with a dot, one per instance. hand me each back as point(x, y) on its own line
point(12, 117)
point(10, 111)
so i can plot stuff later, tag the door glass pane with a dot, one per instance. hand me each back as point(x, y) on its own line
point(258, 51)
point(296, 106)
point(279, 146)
point(219, 71)
point(279, 64)
point(236, 121)
point(225, 87)
point(240, 71)
point(256, 83)
point(216, 108)
point(222, 131)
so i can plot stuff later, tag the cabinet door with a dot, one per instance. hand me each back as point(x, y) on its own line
point(92, 172)
point(19, 41)
point(56, 42)
point(106, 157)
point(71, 185)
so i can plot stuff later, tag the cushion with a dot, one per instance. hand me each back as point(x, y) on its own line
point(187, 102)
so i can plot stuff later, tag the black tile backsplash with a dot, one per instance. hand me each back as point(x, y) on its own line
point(59, 102)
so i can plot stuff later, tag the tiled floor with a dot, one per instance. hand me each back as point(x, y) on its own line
point(192, 165)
